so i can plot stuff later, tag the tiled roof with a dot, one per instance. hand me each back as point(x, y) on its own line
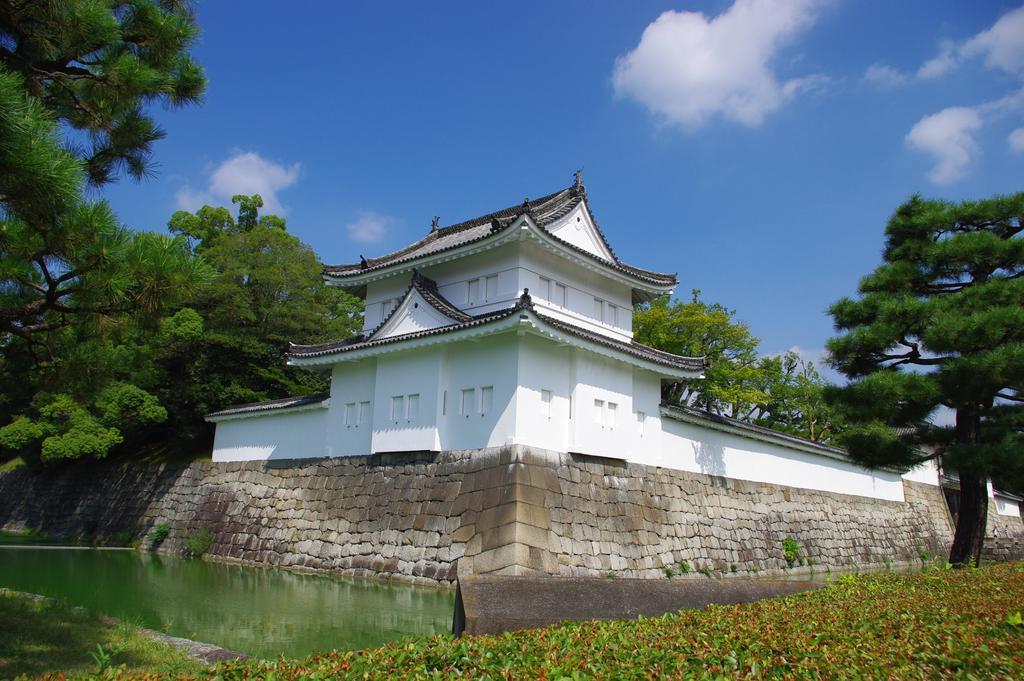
point(363, 341)
point(633, 348)
point(753, 428)
point(544, 211)
point(525, 303)
point(285, 403)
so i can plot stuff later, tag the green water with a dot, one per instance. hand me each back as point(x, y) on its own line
point(259, 611)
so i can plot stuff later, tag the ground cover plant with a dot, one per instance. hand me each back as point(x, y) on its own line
point(937, 624)
point(46, 636)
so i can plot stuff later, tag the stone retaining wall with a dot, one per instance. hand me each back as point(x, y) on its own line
point(509, 510)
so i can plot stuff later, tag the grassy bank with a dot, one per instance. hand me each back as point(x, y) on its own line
point(940, 624)
point(37, 637)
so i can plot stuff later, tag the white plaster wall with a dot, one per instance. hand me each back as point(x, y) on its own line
point(282, 435)
point(491, 361)
point(543, 365)
point(598, 378)
point(692, 447)
point(351, 383)
point(453, 279)
point(579, 230)
point(517, 265)
point(391, 289)
point(417, 372)
point(927, 473)
point(582, 287)
point(1006, 506)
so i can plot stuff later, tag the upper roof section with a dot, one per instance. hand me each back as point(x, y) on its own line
point(548, 216)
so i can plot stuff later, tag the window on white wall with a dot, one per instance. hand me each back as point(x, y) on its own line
point(545, 403)
point(641, 422)
point(610, 314)
point(474, 290)
point(598, 411)
point(397, 407)
point(545, 288)
point(486, 399)
point(611, 411)
point(350, 414)
point(467, 401)
point(412, 407)
point(598, 309)
point(560, 295)
point(491, 287)
point(364, 413)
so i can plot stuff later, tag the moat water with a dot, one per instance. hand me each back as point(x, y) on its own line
point(264, 612)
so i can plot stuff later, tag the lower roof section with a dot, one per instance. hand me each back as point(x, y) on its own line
point(522, 316)
point(297, 403)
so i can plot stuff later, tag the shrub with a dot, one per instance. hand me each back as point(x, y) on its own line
point(732, 568)
point(706, 571)
point(791, 550)
point(198, 542)
point(940, 625)
point(684, 567)
point(158, 534)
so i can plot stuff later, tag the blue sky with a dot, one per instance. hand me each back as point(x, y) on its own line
point(754, 147)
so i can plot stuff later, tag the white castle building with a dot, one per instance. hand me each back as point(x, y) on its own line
point(515, 328)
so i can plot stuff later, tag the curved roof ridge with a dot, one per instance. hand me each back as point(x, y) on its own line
point(543, 211)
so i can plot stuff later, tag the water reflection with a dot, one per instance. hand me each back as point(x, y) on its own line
point(259, 611)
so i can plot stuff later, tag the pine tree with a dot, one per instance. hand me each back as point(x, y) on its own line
point(88, 68)
point(940, 324)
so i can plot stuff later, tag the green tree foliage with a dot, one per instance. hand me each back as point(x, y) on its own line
point(88, 68)
point(96, 64)
point(694, 329)
point(229, 345)
point(780, 392)
point(940, 323)
point(795, 401)
point(64, 428)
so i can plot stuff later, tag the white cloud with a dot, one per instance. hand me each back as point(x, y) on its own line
point(941, 64)
point(689, 67)
point(1017, 140)
point(948, 137)
point(369, 227)
point(884, 76)
point(1002, 46)
point(244, 172)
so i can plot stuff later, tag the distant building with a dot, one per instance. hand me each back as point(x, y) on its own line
point(516, 328)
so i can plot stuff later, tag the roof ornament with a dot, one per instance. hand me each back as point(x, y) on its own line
point(435, 223)
point(495, 225)
point(363, 264)
point(577, 182)
point(525, 301)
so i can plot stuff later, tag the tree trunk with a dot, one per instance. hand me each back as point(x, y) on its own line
point(970, 521)
point(973, 515)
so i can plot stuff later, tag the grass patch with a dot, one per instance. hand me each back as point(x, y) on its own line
point(12, 465)
point(39, 637)
point(933, 625)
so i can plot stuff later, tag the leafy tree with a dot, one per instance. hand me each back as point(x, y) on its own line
point(695, 329)
point(940, 324)
point(795, 401)
point(88, 68)
point(229, 345)
point(96, 64)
